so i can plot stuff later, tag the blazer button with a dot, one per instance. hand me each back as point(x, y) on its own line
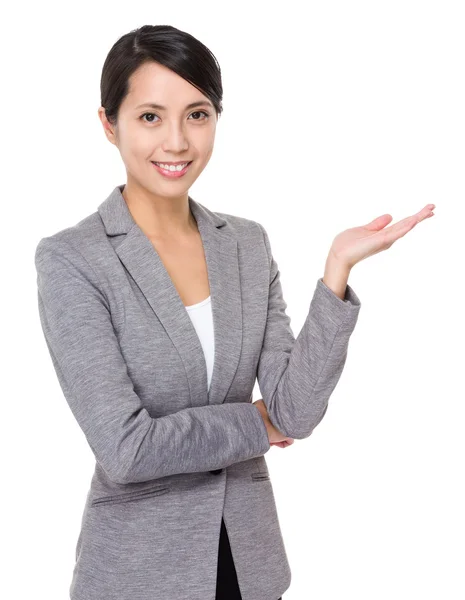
point(216, 471)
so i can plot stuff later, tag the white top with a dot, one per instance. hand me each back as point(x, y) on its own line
point(202, 319)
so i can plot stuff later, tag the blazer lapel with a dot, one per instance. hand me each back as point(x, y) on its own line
point(145, 266)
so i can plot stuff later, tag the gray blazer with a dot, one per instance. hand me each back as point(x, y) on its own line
point(173, 457)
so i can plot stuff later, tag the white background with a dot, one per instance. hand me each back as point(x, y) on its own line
point(334, 113)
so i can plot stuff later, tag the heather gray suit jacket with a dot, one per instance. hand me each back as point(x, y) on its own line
point(133, 372)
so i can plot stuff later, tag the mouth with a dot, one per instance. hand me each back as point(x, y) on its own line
point(174, 170)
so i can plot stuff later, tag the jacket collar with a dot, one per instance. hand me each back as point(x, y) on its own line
point(145, 266)
point(117, 219)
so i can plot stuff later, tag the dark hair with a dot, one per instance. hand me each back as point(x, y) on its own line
point(164, 44)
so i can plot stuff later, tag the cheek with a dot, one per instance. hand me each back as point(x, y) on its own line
point(204, 141)
point(208, 148)
point(136, 142)
point(139, 149)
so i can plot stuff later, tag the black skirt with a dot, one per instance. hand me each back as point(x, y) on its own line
point(227, 587)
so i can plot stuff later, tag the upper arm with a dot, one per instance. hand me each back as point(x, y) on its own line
point(78, 329)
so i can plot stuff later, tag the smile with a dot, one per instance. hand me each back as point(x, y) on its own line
point(172, 171)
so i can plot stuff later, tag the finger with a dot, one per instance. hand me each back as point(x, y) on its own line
point(426, 212)
point(379, 224)
point(400, 228)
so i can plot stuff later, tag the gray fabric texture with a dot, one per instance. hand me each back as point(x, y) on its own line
point(132, 369)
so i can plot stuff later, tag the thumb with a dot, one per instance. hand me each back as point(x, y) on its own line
point(379, 223)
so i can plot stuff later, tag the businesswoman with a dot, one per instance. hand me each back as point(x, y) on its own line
point(159, 315)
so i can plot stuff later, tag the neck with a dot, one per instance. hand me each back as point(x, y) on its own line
point(159, 217)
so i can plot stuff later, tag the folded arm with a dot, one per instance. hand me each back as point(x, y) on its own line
point(129, 444)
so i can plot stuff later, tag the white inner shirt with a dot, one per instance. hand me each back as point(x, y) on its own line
point(202, 319)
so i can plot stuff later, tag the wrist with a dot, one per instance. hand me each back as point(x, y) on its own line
point(336, 276)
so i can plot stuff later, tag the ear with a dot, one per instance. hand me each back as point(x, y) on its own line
point(108, 128)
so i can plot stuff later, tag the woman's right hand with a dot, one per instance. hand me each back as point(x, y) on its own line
point(275, 437)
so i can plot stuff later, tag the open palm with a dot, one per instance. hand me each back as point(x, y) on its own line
point(355, 244)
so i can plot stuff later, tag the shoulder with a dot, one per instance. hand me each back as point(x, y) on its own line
point(76, 239)
point(72, 249)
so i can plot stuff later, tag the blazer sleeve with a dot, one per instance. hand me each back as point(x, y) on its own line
point(296, 377)
point(129, 444)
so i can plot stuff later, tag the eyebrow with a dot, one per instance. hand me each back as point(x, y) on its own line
point(191, 105)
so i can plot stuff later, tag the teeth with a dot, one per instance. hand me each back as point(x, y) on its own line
point(172, 167)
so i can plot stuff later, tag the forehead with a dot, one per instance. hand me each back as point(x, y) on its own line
point(153, 82)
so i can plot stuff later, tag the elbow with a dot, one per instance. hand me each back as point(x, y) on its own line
point(302, 429)
point(124, 477)
point(133, 473)
point(115, 474)
point(112, 465)
point(124, 474)
point(290, 430)
point(120, 478)
point(308, 432)
point(304, 434)
point(299, 434)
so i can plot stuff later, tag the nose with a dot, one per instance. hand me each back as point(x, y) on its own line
point(175, 140)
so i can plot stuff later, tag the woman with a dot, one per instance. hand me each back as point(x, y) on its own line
point(159, 316)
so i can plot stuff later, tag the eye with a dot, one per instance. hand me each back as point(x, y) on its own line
point(197, 112)
point(142, 117)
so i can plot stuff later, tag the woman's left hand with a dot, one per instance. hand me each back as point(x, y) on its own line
point(287, 441)
point(283, 444)
point(353, 245)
